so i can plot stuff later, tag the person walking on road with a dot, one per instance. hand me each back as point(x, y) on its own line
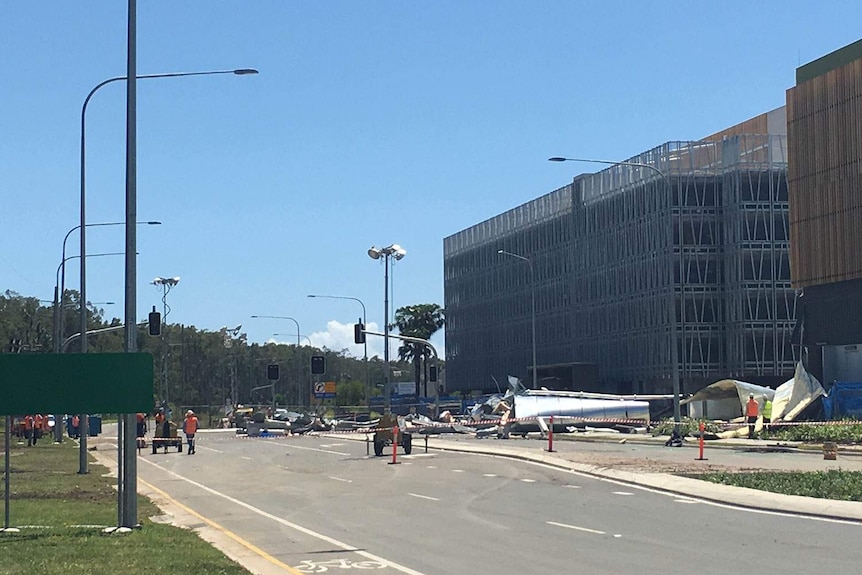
point(190, 427)
point(752, 410)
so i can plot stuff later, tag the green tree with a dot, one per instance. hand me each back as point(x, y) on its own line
point(421, 321)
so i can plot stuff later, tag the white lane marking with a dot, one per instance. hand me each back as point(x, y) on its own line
point(208, 449)
point(328, 445)
point(415, 455)
point(528, 480)
point(575, 527)
point(457, 471)
point(340, 479)
point(430, 467)
point(248, 458)
point(623, 493)
point(283, 467)
point(685, 501)
point(423, 496)
point(286, 523)
point(489, 475)
point(315, 449)
point(572, 486)
point(618, 534)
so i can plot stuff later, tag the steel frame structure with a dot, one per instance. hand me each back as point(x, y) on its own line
point(611, 251)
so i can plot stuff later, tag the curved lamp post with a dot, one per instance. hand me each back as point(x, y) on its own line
point(83, 225)
point(299, 391)
point(84, 466)
point(533, 304)
point(364, 343)
point(60, 284)
point(397, 252)
point(674, 354)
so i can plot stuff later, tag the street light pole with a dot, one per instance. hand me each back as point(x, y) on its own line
point(364, 343)
point(298, 345)
point(130, 195)
point(61, 282)
point(167, 285)
point(533, 304)
point(374, 253)
point(674, 353)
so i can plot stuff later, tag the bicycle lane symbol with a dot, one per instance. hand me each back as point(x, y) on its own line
point(309, 566)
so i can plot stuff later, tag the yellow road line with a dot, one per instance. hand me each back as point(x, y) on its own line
point(250, 546)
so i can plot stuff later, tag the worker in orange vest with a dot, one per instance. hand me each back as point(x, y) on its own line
point(37, 427)
point(752, 410)
point(190, 427)
point(28, 429)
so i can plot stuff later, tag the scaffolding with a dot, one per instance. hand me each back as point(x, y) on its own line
point(705, 232)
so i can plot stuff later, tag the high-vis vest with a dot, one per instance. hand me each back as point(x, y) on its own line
point(751, 408)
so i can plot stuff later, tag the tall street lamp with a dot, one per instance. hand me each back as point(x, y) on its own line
point(674, 353)
point(281, 317)
point(131, 208)
point(299, 364)
point(61, 281)
point(83, 225)
point(59, 305)
point(364, 343)
point(167, 284)
point(533, 304)
point(374, 253)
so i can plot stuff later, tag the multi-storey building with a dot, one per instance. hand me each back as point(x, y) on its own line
point(824, 117)
point(627, 263)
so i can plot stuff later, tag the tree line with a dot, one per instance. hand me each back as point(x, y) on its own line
point(199, 367)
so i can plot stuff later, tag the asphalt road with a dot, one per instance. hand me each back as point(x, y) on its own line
point(317, 504)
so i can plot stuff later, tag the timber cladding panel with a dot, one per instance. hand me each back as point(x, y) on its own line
point(824, 123)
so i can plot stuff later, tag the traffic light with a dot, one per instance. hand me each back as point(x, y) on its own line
point(432, 373)
point(358, 333)
point(272, 372)
point(155, 322)
point(318, 365)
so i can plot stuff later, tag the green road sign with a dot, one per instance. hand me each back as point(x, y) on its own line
point(75, 383)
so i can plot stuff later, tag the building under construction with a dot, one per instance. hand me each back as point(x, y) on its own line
point(634, 278)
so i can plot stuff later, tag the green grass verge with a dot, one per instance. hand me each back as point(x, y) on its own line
point(831, 484)
point(61, 513)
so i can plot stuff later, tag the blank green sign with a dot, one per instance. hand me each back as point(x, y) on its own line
point(76, 383)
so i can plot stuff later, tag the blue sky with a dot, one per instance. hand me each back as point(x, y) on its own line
point(369, 123)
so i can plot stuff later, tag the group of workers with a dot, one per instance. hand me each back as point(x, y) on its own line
point(753, 411)
point(32, 427)
point(190, 427)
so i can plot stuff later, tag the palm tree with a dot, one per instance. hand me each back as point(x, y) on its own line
point(420, 321)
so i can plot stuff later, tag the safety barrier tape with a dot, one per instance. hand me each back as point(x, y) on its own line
point(417, 426)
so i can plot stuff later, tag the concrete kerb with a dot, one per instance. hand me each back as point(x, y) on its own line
point(684, 486)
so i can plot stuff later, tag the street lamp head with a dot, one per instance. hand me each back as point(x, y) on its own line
point(154, 223)
point(245, 71)
point(373, 253)
point(557, 159)
point(166, 281)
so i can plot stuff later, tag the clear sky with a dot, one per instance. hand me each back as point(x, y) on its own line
point(370, 123)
